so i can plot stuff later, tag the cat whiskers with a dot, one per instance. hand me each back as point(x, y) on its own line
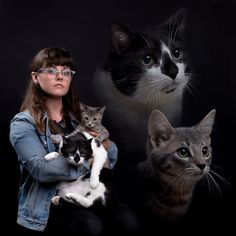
point(120, 81)
point(213, 185)
point(182, 178)
point(150, 90)
point(191, 88)
point(212, 181)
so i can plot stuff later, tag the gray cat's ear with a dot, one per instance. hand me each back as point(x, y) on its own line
point(83, 107)
point(206, 124)
point(159, 128)
point(102, 109)
point(120, 37)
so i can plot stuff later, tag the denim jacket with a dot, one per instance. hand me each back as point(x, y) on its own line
point(39, 178)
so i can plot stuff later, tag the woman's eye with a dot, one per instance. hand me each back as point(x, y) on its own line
point(205, 151)
point(51, 71)
point(148, 60)
point(183, 152)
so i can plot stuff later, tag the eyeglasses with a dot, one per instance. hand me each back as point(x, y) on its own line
point(52, 72)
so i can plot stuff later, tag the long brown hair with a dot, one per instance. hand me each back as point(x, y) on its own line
point(35, 98)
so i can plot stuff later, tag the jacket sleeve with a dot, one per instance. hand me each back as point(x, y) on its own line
point(112, 153)
point(31, 152)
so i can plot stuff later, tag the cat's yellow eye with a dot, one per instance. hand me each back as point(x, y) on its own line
point(205, 151)
point(148, 60)
point(183, 152)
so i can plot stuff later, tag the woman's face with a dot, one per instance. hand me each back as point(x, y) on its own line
point(55, 80)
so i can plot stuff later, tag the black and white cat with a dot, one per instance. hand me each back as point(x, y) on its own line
point(77, 148)
point(177, 159)
point(144, 71)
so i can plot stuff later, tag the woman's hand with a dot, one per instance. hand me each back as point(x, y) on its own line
point(105, 143)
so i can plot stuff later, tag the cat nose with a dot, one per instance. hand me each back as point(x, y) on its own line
point(168, 67)
point(201, 166)
point(77, 158)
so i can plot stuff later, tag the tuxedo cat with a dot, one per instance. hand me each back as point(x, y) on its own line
point(91, 120)
point(177, 159)
point(77, 148)
point(145, 70)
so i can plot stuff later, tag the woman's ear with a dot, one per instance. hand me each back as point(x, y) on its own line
point(34, 77)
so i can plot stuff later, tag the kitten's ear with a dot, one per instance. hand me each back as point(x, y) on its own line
point(206, 124)
point(83, 107)
point(64, 140)
point(159, 128)
point(177, 21)
point(120, 37)
point(101, 109)
point(90, 140)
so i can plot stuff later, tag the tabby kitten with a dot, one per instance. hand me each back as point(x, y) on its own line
point(91, 120)
point(177, 159)
point(145, 70)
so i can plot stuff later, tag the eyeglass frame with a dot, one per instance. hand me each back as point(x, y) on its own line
point(46, 70)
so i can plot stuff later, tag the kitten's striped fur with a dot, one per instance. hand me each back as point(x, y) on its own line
point(177, 159)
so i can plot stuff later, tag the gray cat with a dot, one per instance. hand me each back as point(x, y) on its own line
point(91, 120)
point(177, 159)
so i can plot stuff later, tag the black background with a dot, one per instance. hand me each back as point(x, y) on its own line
point(82, 27)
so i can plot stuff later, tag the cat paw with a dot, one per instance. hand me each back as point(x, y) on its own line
point(56, 200)
point(56, 138)
point(68, 196)
point(51, 156)
point(94, 182)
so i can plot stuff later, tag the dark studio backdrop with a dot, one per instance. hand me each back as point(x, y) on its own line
point(82, 27)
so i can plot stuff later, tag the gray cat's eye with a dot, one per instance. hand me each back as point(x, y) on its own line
point(183, 152)
point(205, 151)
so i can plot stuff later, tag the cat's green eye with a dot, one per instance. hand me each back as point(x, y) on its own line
point(148, 60)
point(86, 118)
point(177, 53)
point(183, 152)
point(94, 119)
point(205, 151)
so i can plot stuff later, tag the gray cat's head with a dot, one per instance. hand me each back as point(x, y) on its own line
point(149, 64)
point(183, 153)
point(91, 116)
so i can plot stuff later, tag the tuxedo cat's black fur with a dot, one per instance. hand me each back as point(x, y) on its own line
point(88, 189)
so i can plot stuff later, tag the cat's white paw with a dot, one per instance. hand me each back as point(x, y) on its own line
point(94, 182)
point(56, 138)
point(69, 196)
point(51, 156)
point(56, 200)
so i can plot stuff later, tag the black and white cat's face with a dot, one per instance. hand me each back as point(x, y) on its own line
point(91, 116)
point(145, 64)
point(183, 154)
point(75, 151)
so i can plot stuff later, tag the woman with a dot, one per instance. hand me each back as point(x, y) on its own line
point(51, 106)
